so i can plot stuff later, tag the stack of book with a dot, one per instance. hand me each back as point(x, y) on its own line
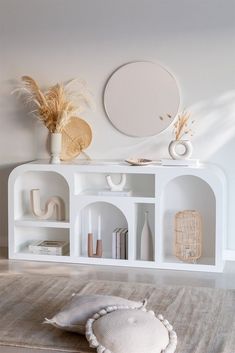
point(49, 247)
point(120, 243)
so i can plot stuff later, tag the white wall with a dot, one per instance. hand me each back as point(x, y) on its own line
point(55, 40)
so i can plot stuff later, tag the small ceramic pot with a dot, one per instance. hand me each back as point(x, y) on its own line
point(56, 142)
point(188, 149)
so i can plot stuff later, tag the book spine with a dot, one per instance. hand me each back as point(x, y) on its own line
point(127, 244)
point(123, 244)
point(118, 245)
point(114, 242)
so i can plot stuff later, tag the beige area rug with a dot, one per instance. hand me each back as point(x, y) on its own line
point(203, 318)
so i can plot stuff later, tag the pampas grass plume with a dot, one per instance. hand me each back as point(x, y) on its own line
point(56, 106)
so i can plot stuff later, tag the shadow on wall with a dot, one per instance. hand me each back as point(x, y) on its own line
point(215, 129)
point(213, 142)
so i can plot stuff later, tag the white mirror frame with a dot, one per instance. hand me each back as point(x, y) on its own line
point(141, 99)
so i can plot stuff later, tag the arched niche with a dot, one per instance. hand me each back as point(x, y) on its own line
point(49, 183)
point(111, 218)
point(189, 193)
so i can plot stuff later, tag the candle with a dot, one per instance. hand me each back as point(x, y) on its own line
point(89, 221)
point(99, 227)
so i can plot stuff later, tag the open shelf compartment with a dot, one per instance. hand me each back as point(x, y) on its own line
point(161, 191)
point(137, 185)
point(142, 210)
point(24, 236)
point(49, 183)
point(189, 193)
point(112, 218)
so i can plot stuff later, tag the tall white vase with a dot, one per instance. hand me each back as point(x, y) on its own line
point(146, 244)
point(56, 143)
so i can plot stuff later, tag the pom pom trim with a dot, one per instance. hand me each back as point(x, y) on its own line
point(92, 340)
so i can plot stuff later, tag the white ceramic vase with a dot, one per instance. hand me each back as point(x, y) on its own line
point(188, 149)
point(56, 143)
point(54, 204)
point(146, 246)
point(116, 187)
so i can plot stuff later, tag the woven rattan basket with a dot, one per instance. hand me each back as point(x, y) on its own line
point(188, 235)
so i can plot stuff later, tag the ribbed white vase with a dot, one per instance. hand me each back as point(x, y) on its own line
point(146, 244)
point(56, 143)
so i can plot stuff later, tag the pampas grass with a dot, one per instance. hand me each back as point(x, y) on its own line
point(183, 126)
point(56, 106)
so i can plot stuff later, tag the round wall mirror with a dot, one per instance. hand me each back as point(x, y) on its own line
point(141, 99)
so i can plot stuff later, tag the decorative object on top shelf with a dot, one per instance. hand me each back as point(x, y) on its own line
point(146, 246)
point(76, 137)
point(188, 235)
point(99, 246)
point(141, 161)
point(53, 204)
point(56, 106)
point(55, 144)
point(116, 189)
point(182, 128)
point(186, 144)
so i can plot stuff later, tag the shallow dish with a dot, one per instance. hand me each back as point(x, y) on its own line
point(140, 161)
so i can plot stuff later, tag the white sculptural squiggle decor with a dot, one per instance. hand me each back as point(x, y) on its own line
point(53, 204)
point(116, 187)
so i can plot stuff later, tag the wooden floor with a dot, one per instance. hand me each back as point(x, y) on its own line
point(224, 280)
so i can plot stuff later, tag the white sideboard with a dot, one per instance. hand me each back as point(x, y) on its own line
point(160, 190)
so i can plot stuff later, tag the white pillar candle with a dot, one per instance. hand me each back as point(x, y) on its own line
point(99, 227)
point(89, 221)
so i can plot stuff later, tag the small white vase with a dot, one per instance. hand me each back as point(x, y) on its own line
point(146, 244)
point(188, 149)
point(56, 143)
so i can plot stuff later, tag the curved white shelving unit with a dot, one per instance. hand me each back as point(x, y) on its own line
point(160, 190)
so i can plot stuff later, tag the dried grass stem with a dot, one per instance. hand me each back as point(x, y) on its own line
point(182, 126)
point(55, 107)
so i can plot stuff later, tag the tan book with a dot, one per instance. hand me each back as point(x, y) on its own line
point(123, 243)
point(126, 245)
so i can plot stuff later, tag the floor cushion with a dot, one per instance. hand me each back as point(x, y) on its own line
point(76, 312)
point(121, 329)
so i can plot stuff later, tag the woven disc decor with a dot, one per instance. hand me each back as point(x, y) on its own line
point(76, 137)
